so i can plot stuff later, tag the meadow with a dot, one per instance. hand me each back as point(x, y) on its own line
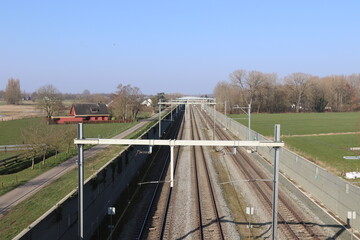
point(11, 130)
point(303, 123)
point(324, 138)
point(11, 134)
point(15, 221)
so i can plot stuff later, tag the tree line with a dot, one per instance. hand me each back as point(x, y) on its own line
point(297, 92)
point(124, 104)
point(45, 140)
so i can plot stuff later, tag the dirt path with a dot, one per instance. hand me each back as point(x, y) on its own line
point(19, 194)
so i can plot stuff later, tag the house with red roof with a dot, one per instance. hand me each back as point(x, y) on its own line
point(87, 112)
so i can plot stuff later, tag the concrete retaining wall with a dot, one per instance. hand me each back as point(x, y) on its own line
point(100, 192)
point(334, 192)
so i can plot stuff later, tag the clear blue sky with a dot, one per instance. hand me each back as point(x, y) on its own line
point(170, 46)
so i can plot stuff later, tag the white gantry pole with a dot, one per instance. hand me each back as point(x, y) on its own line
point(214, 122)
point(276, 179)
point(171, 112)
point(160, 119)
point(226, 122)
point(81, 182)
point(249, 116)
point(171, 166)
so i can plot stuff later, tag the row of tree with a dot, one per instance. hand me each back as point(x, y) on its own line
point(13, 94)
point(124, 104)
point(297, 92)
point(45, 139)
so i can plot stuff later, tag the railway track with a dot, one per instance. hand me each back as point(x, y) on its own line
point(208, 213)
point(138, 220)
point(290, 219)
point(155, 221)
point(203, 220)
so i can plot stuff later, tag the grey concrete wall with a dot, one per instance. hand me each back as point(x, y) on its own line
point(100, 192)
point(335, 193)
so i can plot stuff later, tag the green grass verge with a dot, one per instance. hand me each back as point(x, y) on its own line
point(328, 151)
point(303, 123)
point(325, 150)
point(4, 155)
point(13, 180)
point(11, 130)
point(15, 221)
point(10, 181)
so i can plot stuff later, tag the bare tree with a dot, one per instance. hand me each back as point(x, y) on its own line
point(280, 99)
point(126, 102)
point(354, 81)
point(35, 135)
point(49, 100)
point(339, 92)
point(240, 79)
point(44, 139)
point(249, 82)
point(227, 92)
point(297, 83)
point(136, 98)
point(67, 137)
point(264, 92)
point(12, 92)
point(316, 96)
point(86, 96)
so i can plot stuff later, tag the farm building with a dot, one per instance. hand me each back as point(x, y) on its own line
point(84, 113)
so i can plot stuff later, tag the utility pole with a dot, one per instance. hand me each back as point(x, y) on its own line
point(159, 119)
point(276, 180)
point(248, 113)
point(214, 123)
point(171, 113)
point(81, 182)
point(249, 127)
point(226, 121)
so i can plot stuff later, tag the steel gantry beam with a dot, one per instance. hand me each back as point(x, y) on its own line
point(81, 141)
point(187, 101)
point(173, 142)
point(248, 113)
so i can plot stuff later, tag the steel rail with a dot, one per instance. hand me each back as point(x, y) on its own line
point(212, 192)
point(155, 194)
point(174, 142)
point(268, 184)
point(168, 200)
point(197, 188)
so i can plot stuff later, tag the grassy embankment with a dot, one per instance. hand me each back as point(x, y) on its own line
point(322, 137)
point(15, 221)
point(11, 134)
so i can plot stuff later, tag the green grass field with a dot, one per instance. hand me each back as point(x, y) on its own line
point(303, 123)
point(10, 181)
point(11, 130)
point(326, 150)
point(15, 221)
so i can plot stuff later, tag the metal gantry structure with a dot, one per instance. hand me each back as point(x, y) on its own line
point(188, 101)
point(81, 141)
point(248, 113)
